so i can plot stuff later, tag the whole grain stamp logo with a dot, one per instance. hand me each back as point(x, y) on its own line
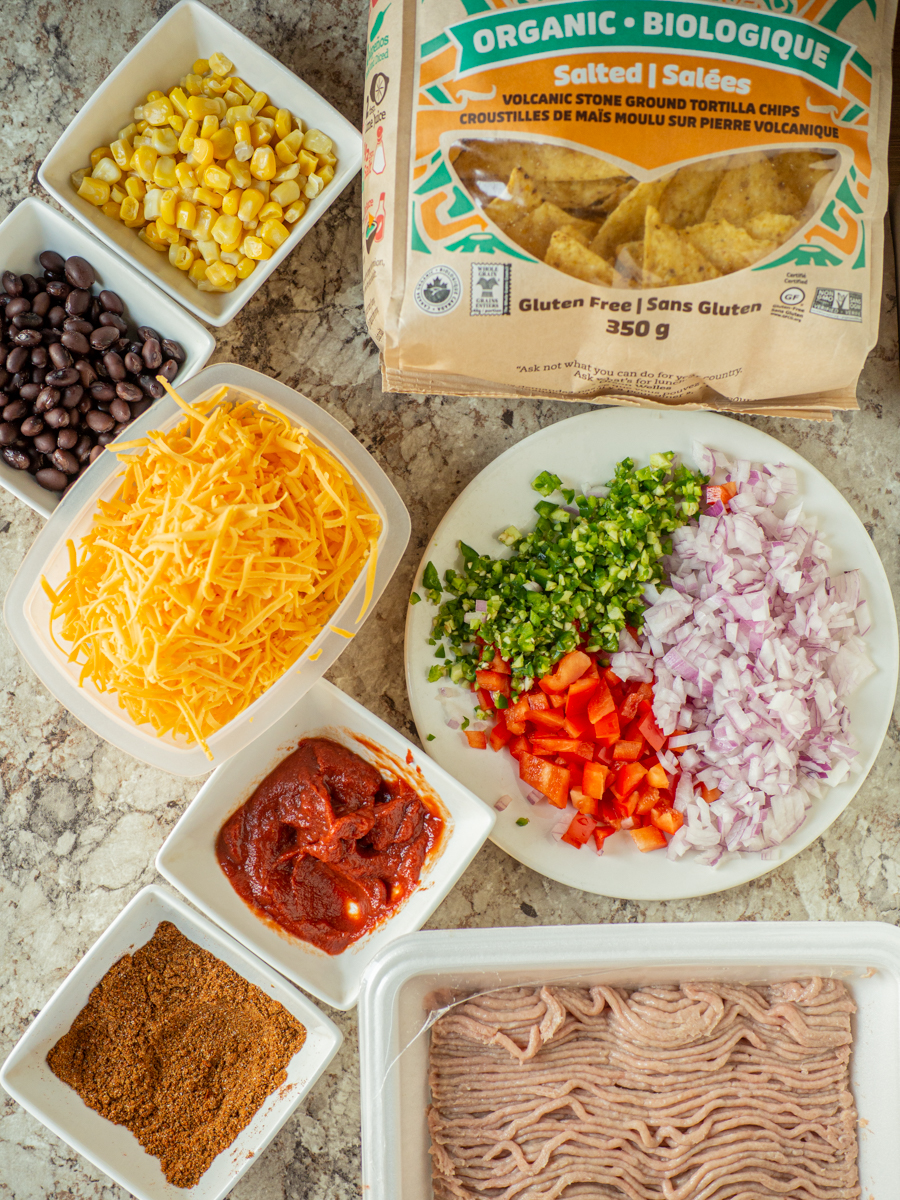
point(438, 291)
point(490, 289)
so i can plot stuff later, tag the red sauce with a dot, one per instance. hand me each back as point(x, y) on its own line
point(326, 847)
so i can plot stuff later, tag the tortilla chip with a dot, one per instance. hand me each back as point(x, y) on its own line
point(532, 228)
point(498, 159)
point(522, 189)
point(586, 197)
point(802, 170)
point(568, 254)
point(688, 195)
point(771, 227)
point(726, 246)
point(748, 190)
point(669, 258)
point(626, 222)
point(630, 262)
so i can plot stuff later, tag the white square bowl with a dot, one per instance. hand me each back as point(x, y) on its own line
point(396, 990)
point(33, 227)
point(160, 59)
point(188, 856)
point(112, 1148)
point(27, 609)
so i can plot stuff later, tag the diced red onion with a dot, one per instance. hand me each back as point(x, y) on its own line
point(535, 797)
point(481, 606)
point(503, 803)
point(560, 828)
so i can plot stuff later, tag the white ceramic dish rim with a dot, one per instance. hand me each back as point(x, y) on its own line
point(503, 490)
point(396, 986)
point(86, 974)
point(468, 817)
point(118, 729)
point(216, 309)
point(163, 313)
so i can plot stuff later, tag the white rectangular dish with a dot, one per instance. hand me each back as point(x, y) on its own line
point(188, 856)
point(33, 227)
point(112, 1148)
point(394, 1006)
point(27, 608)
point(161, 58)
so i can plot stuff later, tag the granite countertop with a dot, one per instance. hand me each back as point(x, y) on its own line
point(81, 822)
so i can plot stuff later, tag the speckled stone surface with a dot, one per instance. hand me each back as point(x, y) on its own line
point(80, 822)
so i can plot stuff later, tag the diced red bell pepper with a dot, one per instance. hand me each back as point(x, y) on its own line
point(627, 806)
point(611, 678)
point(666, 819)
point(603, 754)
point(537, 701)
point(601, 703)
point(569, 668)
point(557, 701)
point(631, 732)
point(493, 681)
point(476, 738)
point(485, 699)
point(540, 750)
point(648, 837)
point(595, 779)
point(610, 815)
point(547, 777)
point(652, 732)
point(626, 779)
point(580, 830)
point(551, 718)
point(583, 802)
point(657, 776)
point(499, 665)
point(500, 735)
point(579, 695)
point(719, 493)
point(515, 716)
point(601, 833)
point(625, 751)
point(648, 797)
point(519, 746)
point(607, 730)
point(579, 726)
point(709, 794)
point(561, 745)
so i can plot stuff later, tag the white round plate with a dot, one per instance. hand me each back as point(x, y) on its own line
point(583, 451)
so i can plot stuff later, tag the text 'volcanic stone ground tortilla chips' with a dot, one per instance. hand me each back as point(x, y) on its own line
point(673, 203)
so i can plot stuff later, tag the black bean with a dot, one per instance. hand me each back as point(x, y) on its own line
point(103, 439)
point(100, 422)
point(72, 395)
point(58, 289)
point(57, 418)
point(16, 458)
point(120, 411)
point(102, 338)
point(60, 356)
point(27, 320)
point(21, 304)
point(77, 325)
point(30, 285)
point(102, 405)
point(103, 391)
point(19, 380)
point(77, 302)
point(76, 342)
point(39, 357)
point(114, 365)
point(145, 333)
point(121, 345)
point(41, 304)
point(79, 272)
point(85, 404)
point(31, 426)
point(169, 369)
point(51, 261)
point(51, 479)
point(83, 447)
point(95, 311)
point(49, 335)
point(15, 410)
point(139, 408)
point(111, 301)
point(47, 398)
point(12, 284)
point(151, 353)
point(8, 433)
point(26, 337)
point(46, 441)
point(134, 363)
point(66, 461)
point(95, 453)
point(38, 375)
point(150, 387)
point(135, 348)
point(129, 391)
point(111, 318)
point(173, 350)
point(56, 316)
point(62, 377)
point(66, 438)
point(86, 372)
point(74, 418)
point(30, 391)
point(16, 359)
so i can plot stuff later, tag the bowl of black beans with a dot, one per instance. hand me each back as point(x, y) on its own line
point(76, 363)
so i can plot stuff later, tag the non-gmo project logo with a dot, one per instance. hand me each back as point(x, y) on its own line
point(438, 291)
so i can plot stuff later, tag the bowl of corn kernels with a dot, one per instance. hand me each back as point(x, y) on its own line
point(192, 172)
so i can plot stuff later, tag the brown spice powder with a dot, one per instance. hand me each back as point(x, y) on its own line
point(177, 1047)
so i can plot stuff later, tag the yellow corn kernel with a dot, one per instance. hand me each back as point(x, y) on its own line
point(216, 87)
point(208, 197)
point(217, 179)
point(273, 233)
point(209, 126)
point(226, 229)
point(122, 151)
point(314, 185)
point(271, 209)
point(186, 215)
point(158, 111)
point(282, 122)
point(294, 141)
point(250, 226)
point(199, 107)
point(178, 100)
point(258, 101)
point(143, 161)
point(221, 273)
point(176, 122)
point(152, 240)
point(262, 131)
point(201, 154)
point(232, 202)
point(130, 211)
point(187, 178)
point(252, 201)
point(245, 267)
point(244, 90)
point(151, 204)
point(239, 172)
point(141, 124)
point(317, 142)
point(201, 66)
point(229, 252)
point(243, 143)
point(286, 193)
point(263, 186)
point(232, 100)
point(167, 202)
point(205, 286)
point(255, 248)
point(294, 212)
point(107, 170)
point(232, 258)
point(270, 111)
point(96, 191)
point(209, 248)
point(223, 141)
point(116, 193)
point(238, 112)
point(197, 270)
point(186, 141)
point(326, 174)
point(192, 84)
point(126, 134)
point(206, 216)
point(218, 64)
point(284, 151)
point(164, 172)
point(262, 164)
point(164, 140)
point(167, 233)
point(154, 95)
point(326, 159)
point(111, 209)
point(135, 187)
point(291, 171)
point(100, 152)
point(307, 162)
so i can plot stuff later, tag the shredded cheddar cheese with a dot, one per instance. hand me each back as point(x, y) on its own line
point(229, 543)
